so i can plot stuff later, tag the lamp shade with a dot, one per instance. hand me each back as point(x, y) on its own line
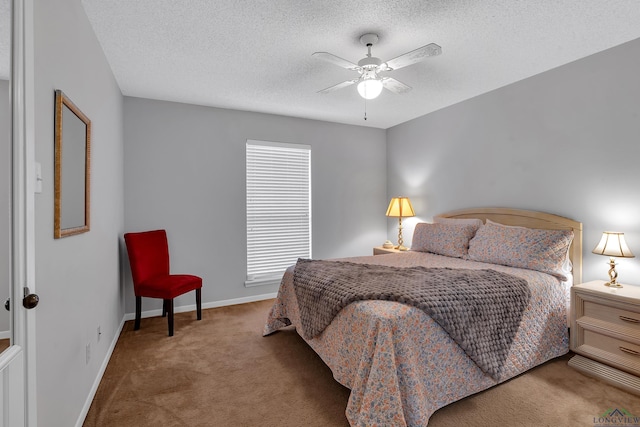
point(613, 244)
point(400, 207)
point(369, 88)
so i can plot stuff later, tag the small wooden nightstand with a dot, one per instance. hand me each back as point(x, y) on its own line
point(605, 333)
point(379, 250)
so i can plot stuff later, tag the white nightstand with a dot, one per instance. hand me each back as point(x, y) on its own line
point(605, 333)
point(379, 250)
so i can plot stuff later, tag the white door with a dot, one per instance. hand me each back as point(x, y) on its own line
point(16, 223)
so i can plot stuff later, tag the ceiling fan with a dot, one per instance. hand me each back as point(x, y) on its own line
point(370, 82)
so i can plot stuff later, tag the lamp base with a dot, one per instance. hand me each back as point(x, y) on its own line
point(400, 246)
point(613, 285)
point(613, 274)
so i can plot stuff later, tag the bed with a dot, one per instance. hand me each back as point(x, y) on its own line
point(399, 363)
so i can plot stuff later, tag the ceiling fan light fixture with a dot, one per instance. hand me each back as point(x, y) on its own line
point(370, 88)
point(370, 83)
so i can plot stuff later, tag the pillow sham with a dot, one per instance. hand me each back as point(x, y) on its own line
point(443, 239)
point(530, 248)
point(476, 222)
point(567, 265)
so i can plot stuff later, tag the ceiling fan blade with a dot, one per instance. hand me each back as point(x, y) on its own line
point(337, 61)
point(414, 56)
point(338, 86)
point(394, 85)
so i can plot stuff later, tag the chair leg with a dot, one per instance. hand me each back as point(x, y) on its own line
point(136, 325)
point(199, 303)
point(164, 307)
point(169, 303)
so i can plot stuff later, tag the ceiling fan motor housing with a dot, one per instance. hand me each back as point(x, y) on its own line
point(370, 62)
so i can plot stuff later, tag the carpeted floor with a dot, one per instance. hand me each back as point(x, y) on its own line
point(222, 372)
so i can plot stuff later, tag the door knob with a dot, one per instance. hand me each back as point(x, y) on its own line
point(7, 304)
point(30, 300)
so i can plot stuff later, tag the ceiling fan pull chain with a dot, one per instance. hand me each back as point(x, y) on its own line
point(365, 108)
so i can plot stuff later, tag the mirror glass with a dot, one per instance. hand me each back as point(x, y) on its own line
point(5, 172)
point(72, 166)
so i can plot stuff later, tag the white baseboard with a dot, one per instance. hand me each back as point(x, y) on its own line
point(96, 383)
point(5, 335)
point(214, 304)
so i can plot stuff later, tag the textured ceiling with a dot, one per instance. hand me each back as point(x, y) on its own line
point(256, 55)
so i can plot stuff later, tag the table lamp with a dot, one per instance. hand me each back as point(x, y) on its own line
point(400, 207)
point(613, 245)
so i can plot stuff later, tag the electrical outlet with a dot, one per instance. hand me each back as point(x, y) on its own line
point(99, 334)
point(88, 352)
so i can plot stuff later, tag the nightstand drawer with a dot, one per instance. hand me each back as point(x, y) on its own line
point(616, 316)
point(621, 353)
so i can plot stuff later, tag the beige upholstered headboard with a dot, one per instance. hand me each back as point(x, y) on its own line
point(531, 219)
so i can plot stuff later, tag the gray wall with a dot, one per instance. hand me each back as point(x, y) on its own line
point(185, 172)
point(565, 141)
point(77, 277)
point(5, 205)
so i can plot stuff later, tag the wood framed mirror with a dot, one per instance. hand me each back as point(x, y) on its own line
point(72, 168)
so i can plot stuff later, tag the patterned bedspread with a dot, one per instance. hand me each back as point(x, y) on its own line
point(400, 365)
point(480, 309)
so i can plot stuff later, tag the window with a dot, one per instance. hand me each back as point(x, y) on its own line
point(278, 209)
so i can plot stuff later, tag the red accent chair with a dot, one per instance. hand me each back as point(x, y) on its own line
point(149, 260)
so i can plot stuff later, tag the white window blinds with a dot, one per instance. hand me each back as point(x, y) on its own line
point(278, 208)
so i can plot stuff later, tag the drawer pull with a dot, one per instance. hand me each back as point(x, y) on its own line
point(628, 350)
point(629, 319)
